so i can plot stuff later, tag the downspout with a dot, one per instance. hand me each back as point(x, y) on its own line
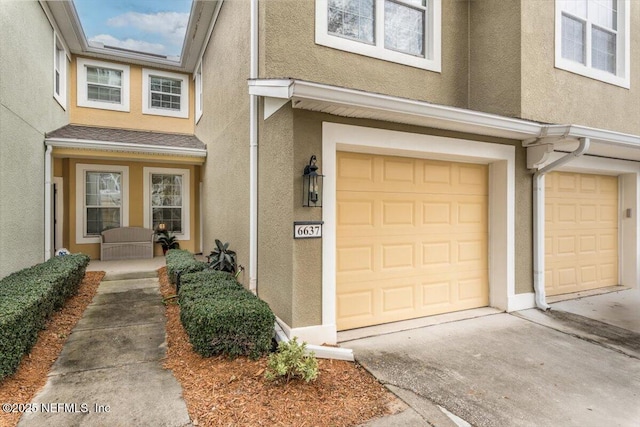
point(48, 213)
point(253, 154)
point(538, 221)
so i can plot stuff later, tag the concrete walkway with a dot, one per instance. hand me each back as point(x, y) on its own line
point(110, 370)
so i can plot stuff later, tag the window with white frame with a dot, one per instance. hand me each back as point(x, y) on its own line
point(166, 200)
point(165, 94)
point(592, 39)
point(101, 200)
point(103, 85)
point(403, 31)
point(198, 80)
point(59, 72)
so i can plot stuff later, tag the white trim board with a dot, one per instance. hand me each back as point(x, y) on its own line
point(500, 158)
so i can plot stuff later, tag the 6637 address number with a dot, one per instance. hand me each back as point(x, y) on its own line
point(307, 231)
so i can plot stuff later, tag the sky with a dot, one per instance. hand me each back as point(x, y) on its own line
point(153, 26)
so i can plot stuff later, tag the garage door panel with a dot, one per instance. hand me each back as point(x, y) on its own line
point(395, 214)
point(420, 245)
point(396, 256)
point(386, 301)
point(355, 259)
point(581, 232)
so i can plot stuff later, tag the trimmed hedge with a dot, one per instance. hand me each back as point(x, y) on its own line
point(222, 317)
point(183, 261)
point(27, 299)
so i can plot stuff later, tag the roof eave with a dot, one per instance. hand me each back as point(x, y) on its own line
point(362, 104)
point(358, 102)
point(86, 144)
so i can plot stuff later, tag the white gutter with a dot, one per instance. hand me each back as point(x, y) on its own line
point(48, 211)
point(538, 221)
point(253, 154)
point(124, 147)
point(309, 91)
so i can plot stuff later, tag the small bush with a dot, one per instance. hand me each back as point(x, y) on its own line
point(221, 317)
point(291, 361)
point(27, 299)
point(183, 261)
point(222, 258)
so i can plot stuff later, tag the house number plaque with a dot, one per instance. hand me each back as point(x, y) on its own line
point(307, 229)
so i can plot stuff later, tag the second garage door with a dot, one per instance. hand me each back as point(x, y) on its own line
point(411, 238)
point(581, 232)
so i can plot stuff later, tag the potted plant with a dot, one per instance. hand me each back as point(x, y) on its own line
point(166, 240)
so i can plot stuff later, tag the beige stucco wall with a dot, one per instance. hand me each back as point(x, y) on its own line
point(276, 202)
point(290, 270)
point(288, 49)
point(494, 56)
point(558, 96)
point(27, 111)
point(134, 118)
point(66, 168)
point(224, 128)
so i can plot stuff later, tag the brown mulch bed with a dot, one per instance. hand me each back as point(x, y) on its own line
point(32, 372)
point(223, 392)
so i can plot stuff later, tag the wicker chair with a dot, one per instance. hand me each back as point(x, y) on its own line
point(126, 243)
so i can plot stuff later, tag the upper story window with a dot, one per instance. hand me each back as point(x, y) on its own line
point(403, 31)
point(103, 85)
point(592, 39)
point(198, 79)
point(59, 72)
point(165, 94)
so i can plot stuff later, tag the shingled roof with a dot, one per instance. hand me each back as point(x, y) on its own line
point(138, 137)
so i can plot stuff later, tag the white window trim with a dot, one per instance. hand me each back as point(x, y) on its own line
point(83, 99)
point(501, 161)
point(433, 38)
point(146, 98)
point(81, 223)
point(60, 49)
point(197, 77)
point(186, 198)
point(623, 54)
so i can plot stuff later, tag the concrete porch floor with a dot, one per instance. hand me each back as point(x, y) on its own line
point(128, 268)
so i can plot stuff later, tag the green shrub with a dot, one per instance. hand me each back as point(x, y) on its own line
point(221, 317)
point(291, 361)
point(182, 261)
point(207, 283)
point(27, 299)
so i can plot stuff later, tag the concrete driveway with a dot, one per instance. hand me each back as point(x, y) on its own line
point(522, 369)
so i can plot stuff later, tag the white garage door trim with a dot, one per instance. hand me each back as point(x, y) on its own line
point(501, 158)
point(628, 198)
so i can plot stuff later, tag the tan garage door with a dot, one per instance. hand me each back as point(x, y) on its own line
point(581, 232)
point(411, 238)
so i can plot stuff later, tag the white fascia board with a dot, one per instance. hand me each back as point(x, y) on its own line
point(303, 90)
point(124, 147)
point(358, 98)
point(552, 134)
point(606, 136)
point(281, 88)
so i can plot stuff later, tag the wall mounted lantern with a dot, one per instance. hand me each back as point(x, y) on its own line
point(312, 185)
